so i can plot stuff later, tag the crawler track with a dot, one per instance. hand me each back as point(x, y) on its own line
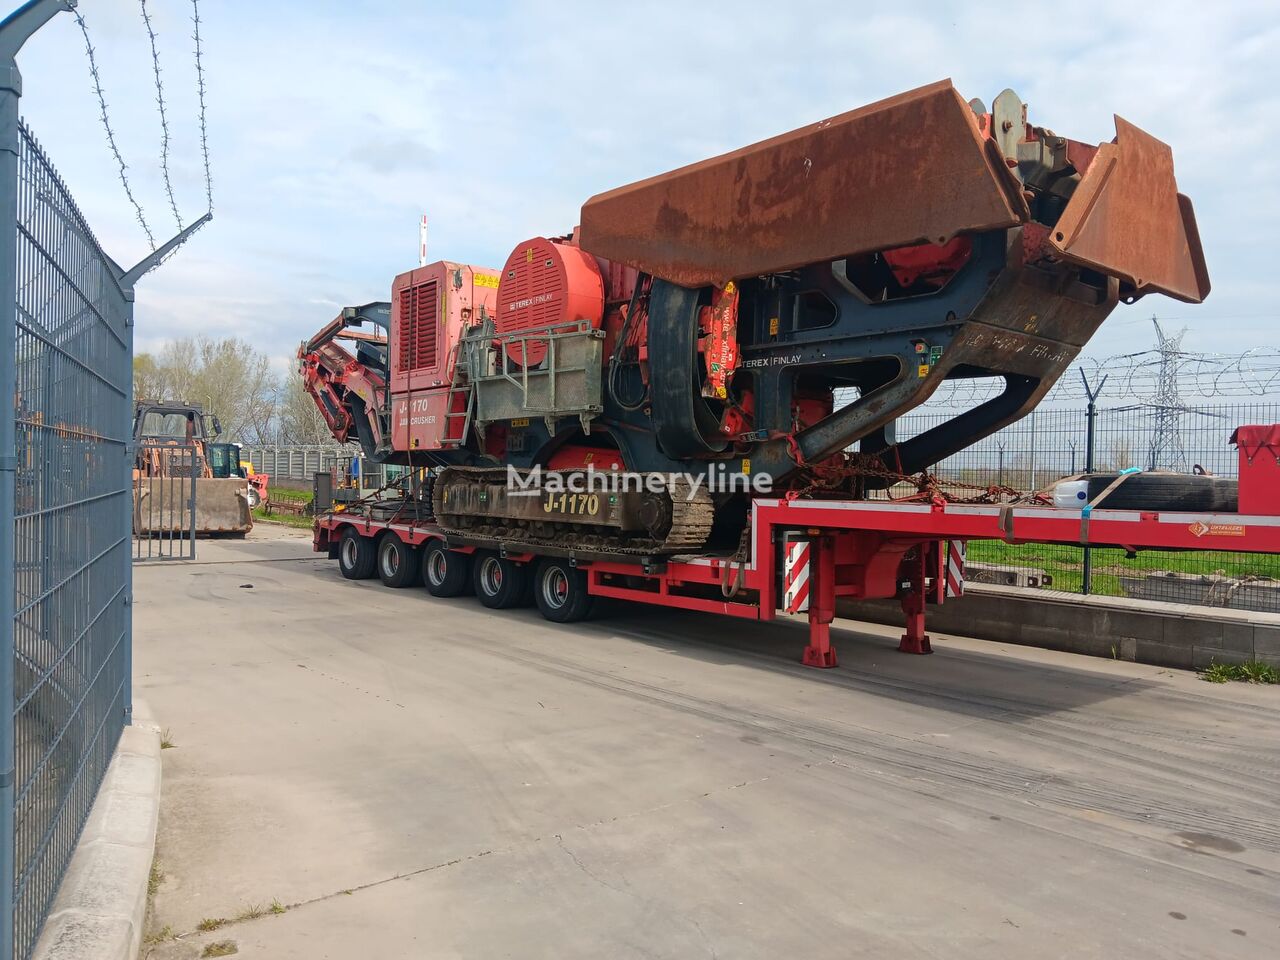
point(692, 513)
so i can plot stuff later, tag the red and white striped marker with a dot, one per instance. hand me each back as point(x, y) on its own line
point(955, 568)
point(795, 576)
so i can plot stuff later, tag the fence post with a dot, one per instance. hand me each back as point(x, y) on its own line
point(1091, 414)
point(1032, 485)
point(16, 29)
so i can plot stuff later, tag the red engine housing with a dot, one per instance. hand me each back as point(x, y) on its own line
point(545, 282)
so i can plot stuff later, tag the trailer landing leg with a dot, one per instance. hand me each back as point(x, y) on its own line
point(822, 605)
point(915, 640)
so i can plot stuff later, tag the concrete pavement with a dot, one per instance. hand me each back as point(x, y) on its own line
point(409, 777)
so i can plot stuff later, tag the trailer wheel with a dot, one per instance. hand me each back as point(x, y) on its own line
point(356, 556)
point(397, 562)
point(444, 572)
point(499, 582)
point(561, 592)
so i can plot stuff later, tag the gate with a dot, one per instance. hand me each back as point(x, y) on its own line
point(164, 501)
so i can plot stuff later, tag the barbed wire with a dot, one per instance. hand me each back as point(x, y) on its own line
point(1136, 377)
point(106, 124)
point(204, 135)
point(164, 120)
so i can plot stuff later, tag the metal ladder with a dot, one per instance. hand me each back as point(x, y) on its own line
point(448, 439)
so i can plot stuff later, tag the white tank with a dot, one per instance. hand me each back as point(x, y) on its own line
point(1071, 494)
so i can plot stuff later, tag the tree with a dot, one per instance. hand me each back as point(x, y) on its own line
point(228, 377)
point(299, 419)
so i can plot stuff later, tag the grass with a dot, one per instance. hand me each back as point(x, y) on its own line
point(166, 741)
point(211, 923)
point(1251, 671)
point(288, 519)
point(278, 907)
point(155, 878)
point(252, 912)
point(159, 936)
point(283, 493)
point(1066, 564)
point(220, 948)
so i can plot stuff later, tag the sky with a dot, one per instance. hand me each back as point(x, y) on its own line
point(334, 126)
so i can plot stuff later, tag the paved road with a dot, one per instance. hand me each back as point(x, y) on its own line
point(419, 778)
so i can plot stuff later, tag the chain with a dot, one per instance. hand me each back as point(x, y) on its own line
point(928, 486)
point(111, 137)
point(204, 135)
point(164, 120)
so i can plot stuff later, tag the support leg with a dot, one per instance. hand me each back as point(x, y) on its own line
point(822, 604)
point(915, 640)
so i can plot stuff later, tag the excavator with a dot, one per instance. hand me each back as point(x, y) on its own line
point(768, 313)
point(176, 462)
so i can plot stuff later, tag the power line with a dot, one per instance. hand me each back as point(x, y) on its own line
point(164, 120)
point(111, 137)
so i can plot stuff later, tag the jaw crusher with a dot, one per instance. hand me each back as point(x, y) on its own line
point(769, 312)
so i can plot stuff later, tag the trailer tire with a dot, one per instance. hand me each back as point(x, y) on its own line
point(445, 573)
point(499, 582)
point(397, 561)
point(356, 555)
point(560, 591)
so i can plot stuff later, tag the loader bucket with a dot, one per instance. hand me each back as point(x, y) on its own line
point(906, 170)
point(1127, 219)
point(162, 505)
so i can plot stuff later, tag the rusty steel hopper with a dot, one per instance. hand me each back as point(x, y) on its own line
point(923, 166)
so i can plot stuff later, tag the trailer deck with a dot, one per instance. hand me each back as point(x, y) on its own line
point(802, 554)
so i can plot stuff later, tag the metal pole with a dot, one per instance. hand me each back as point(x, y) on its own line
point(1032, 484)
point(16, 29)
point(1091, 412)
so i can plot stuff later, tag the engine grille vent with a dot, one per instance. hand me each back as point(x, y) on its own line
point(419, 324)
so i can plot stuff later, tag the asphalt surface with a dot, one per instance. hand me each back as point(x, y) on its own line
point(410, 778)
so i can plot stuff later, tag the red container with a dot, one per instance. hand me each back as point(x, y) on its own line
point(1259, 448)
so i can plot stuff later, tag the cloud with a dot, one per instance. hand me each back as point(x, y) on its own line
point(334, 126)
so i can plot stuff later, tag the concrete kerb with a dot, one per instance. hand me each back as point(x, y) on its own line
point(101, 906)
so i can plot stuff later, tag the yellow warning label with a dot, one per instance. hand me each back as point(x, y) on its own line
point(746, 465)
point(773, 326)
point(485, 280)
point(520, 422)
point(528, 255)
point(922, 371)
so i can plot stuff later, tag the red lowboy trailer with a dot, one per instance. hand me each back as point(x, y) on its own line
point(799, 554)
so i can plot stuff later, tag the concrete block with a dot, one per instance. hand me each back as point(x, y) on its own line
point(105, 879)
point(1128, 649)
point(128, 819)
point(1266, 645)
point(73, 935)
point(1163, 654)
point(1139, 625)
point(1201, 657)
point(1236, 636)
point(133, 772)
point(100, 907)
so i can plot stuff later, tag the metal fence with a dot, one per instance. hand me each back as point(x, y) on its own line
point(297, 463)
point(1052, 443)
point(69, 514)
